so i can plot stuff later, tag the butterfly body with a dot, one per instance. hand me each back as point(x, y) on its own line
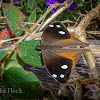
point(59, 51)
point(50, 47)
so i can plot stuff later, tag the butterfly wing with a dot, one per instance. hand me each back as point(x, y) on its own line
point(59, 63)
point(56, 33)
point(51, 33)
point(59, 67)
point(73, 55)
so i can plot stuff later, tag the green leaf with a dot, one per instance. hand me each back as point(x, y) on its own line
point(20, 32)
point(25, 83)
point(14, 16)
point(13, 60)
point(28, 10)
point(32, 17)
point(29, 54)
point(30, 4)
point(40, 4)
point(2, 54)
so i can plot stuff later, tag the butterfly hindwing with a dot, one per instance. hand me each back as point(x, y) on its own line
point(59, 67)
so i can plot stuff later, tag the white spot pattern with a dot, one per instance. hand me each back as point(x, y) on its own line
point(51, 26)
point(62, 75)
point(64, 67)
point(54, 75)
point(58, 26)
point(61, 32)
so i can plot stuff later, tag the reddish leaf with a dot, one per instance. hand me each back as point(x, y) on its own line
point(5, 34)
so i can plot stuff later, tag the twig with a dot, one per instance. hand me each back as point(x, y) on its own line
point(79, 18)
point(37, 35)
point(68, 21)
point(91, 36)
point(93, 32)
point(29, 23)
point(2, 17)
point(84, 81)
point(3, 41)
point(53, 96)
point(80, 31)
point(78, 92)
point(2, 23)
point(91, 4)
point(80, 14)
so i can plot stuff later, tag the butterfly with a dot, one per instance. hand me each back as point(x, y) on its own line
point(59, 51)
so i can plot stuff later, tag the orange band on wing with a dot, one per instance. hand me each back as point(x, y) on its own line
point(71, 55)
point(73, 41)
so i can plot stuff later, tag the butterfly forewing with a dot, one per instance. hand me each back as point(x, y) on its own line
point(54, 32)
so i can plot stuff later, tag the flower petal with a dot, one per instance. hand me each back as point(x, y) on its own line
point(72, 6)
point(54, 9)
point(61, 1)
point(47, 3)
point(53, 1)
point(50, 2)
point(14, 0)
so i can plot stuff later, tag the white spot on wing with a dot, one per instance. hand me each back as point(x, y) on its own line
point(51, 26)
point(54, 75)
point(64, 67)
point(58, 26)
point(61, 32)
point(62, 75)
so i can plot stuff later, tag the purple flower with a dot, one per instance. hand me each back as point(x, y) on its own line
point(50, 2)
point(14, 0)
point(72, 6)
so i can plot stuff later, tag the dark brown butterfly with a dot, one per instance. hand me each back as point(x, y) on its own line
point(59, 51)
